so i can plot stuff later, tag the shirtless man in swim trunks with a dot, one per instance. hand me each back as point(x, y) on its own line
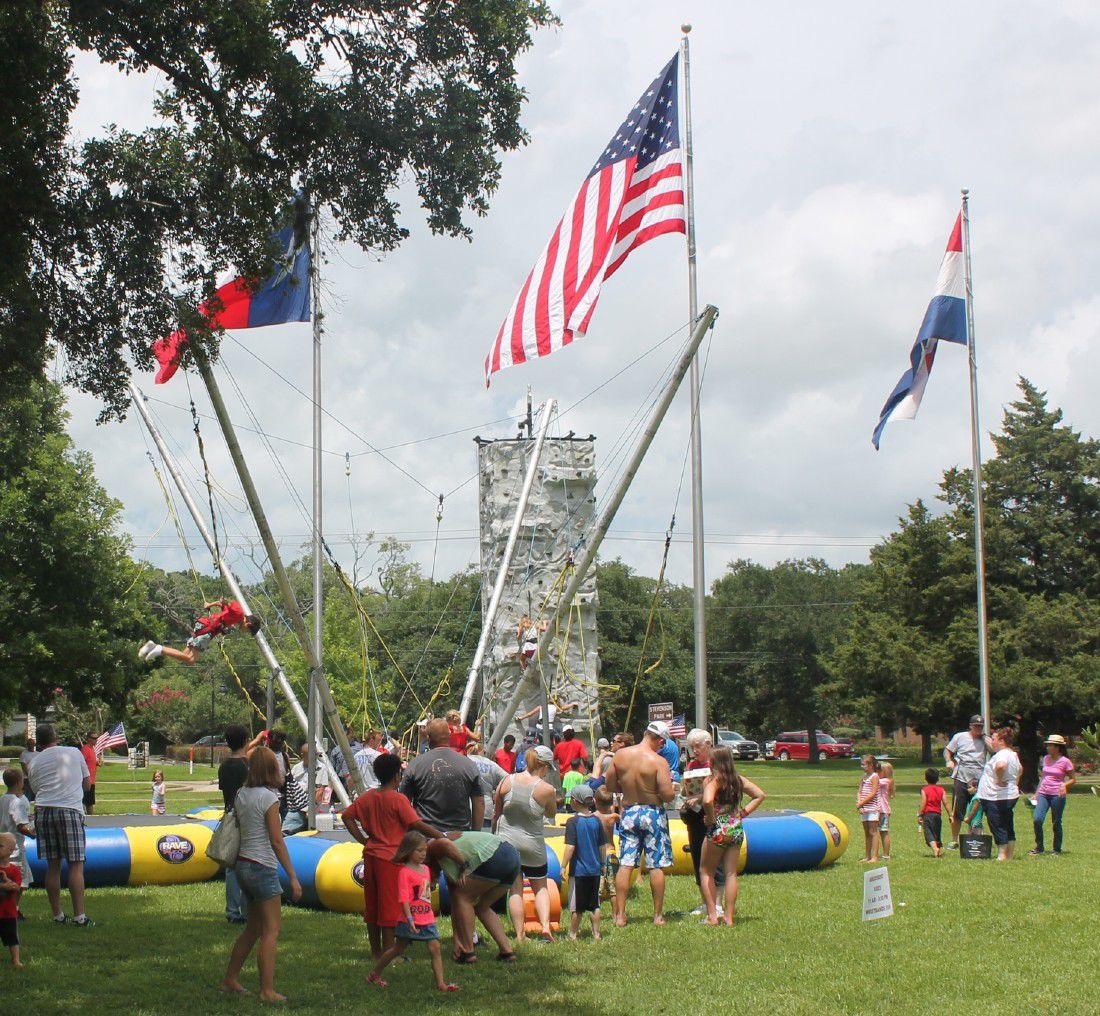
point(644, 780)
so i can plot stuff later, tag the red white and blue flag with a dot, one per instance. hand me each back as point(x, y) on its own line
point(944, 321)
point(634, 192)
point(283, 296)
point(113, 738)
point(678, 726)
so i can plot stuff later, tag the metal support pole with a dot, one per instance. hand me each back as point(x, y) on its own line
point(318, 560)
point(506, 560)
point(290, 604)
point(592, 546)
point(698, 557)
point(269, 710)
point(976, 451)
point(231, 581)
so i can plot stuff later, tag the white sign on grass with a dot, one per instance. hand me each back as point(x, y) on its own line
point(876, 894)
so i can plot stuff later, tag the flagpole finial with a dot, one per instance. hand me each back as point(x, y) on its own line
point(966, 192)
point(685, 28)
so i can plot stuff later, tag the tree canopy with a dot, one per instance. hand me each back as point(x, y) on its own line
point(910, 655)
point(73, 604)
point(115, 239)
point(773, 629)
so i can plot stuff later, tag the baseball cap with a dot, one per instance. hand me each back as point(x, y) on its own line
point(660, 728)
point(603, 742)
point(582, 793)
point(567, 729)
point(976, 718)
point(543, 753)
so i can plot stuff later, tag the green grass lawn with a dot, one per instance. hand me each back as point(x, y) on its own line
point(799, 945)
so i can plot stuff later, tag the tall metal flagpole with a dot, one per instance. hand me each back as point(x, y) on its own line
point(318, 573)
point(975, 441)
point(698, 561)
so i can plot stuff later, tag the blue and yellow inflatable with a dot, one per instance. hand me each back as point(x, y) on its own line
point(165, 854)
point(331, 869)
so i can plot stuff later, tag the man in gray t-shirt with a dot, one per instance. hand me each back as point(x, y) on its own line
point(444, 786)
point(966, 755)
point(492, 776)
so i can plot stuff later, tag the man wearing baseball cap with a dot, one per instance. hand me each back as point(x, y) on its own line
point(568, 748)
point(966, 755)
point(642, 776)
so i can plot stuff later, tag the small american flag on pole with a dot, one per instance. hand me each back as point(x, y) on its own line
point(112, 738)
point(678, 726)
point(634, 192)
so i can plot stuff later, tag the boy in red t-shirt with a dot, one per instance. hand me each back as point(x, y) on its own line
point(11, 885)
point(506, 754)
point(930, 817)
point(567, 749)
point(379, 820)
point(230, 616)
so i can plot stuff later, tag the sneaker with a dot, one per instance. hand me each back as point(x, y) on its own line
point(953, 846)
point(61, 919)
point(1036, 852)
point(84, 922)
point(155, 652)
point(720, 911)
point(144, 650)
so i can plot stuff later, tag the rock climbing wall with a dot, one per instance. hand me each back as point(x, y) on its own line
point(559, 510)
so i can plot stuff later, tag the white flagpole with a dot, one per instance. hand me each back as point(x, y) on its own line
point(975, 440)
point(699, 581)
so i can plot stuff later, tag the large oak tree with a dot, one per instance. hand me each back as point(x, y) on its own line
point(111, 241)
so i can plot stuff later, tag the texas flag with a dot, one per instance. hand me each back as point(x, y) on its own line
point(945, 320)
point(283, 296)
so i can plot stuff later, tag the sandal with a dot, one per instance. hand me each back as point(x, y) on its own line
point(465, 958)
point(376, 979)
point(506, 957)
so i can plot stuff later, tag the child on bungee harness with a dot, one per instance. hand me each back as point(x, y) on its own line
point(230, 616)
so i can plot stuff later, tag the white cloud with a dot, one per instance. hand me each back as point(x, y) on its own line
point(830, 151)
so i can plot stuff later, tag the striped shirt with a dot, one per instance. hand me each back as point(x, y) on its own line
point(864, 790)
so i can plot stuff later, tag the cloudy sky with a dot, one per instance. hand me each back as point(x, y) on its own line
point(831, 143)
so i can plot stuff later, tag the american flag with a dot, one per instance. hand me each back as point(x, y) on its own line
point(634, 192)
point(678, 726)
point(110, 739)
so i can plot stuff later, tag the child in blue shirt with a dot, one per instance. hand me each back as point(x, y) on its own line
point(585, 850)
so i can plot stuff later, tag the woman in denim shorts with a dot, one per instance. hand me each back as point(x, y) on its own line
point(480, 868)
point(257, 869)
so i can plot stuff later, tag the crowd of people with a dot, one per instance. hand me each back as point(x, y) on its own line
point(448, 808)
point(482, 823)
point(985, 787)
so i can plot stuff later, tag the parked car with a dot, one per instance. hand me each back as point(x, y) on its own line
point(796, 744)
point(769, 749)
point(741, 747)
point(210, 739)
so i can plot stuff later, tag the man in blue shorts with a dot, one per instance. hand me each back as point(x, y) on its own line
point(643, 778)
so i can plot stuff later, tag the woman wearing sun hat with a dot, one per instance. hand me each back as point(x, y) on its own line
point(1057, 779)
